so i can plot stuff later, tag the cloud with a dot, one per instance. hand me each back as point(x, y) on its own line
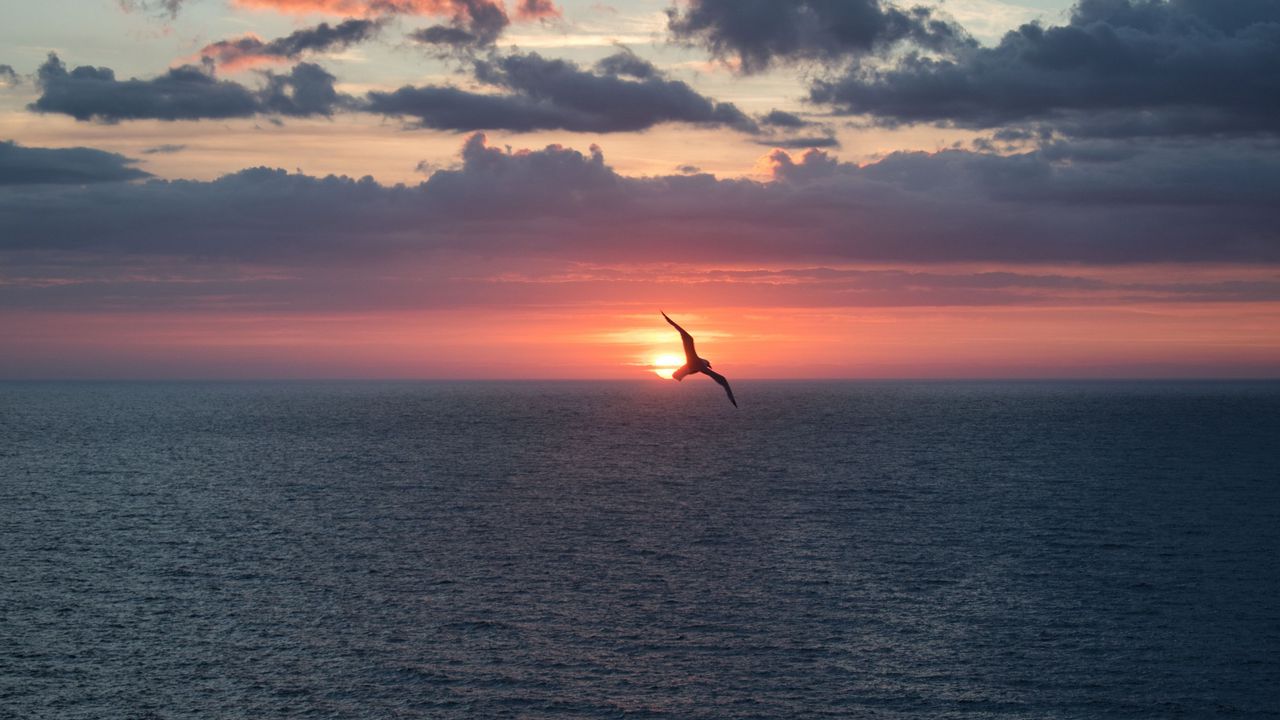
point(165, 149)
point(800, 143)
point(542, 93)
point(536, 9)
point(186, 92)
point(756, 35)
point(451, 36)
point(1083, 177)
point(168, 8)
point(625, 63)
point(1118, 68)
point(776, 121)
point(63, 166)
point(7, 76)
point(306, 91)
point(478, 23)
point(183, 93)
point(250, 50)
point(783, 119)
point(361, 8)
point(472, 23)
point(525, 9)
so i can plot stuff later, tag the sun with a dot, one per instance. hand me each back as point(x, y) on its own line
point(664, 365)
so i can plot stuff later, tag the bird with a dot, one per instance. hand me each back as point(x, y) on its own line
point(695, 364)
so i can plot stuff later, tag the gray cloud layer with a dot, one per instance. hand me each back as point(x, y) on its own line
point(63, 166)
point(269, 239)
point(625, 94)
point(1118, 68)
point(183, 93)
point(1162, 204)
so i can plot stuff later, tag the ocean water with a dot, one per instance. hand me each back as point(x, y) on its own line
point(607, 550)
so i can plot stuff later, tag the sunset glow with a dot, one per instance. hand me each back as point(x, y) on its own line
point(433, 188)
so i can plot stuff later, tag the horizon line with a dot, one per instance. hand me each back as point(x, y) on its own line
point(905, 378)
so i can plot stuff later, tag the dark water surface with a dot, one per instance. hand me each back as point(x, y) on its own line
point(601, 550)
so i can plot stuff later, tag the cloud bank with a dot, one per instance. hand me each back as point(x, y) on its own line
point(1118, 68)
point(1065, 204)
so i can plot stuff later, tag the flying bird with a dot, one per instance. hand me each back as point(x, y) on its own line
point(695, 364)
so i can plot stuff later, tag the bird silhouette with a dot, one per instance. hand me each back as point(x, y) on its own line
point(695, 364)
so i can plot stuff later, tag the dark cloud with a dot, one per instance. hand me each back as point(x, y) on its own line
point(626, 63)
point(545, 93)
point(800, 143)
point(1174, 176)
point(183, 93)
point(475, 24)
point(8, 76)
point(447, 35)
point(63, 166)
point(1163, 204)
point(1118, 68)
point(536, 9)
point(186, 92)
point(780, 118)
point(450, 108)
point(166, 8)
point(321, 38)
point(757, 34)
point(306, 91)
point(165, 149)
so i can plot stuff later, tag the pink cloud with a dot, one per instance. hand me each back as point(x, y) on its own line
point(356, 8)
point(536, 10)
point(525, 9)
point(237, 53)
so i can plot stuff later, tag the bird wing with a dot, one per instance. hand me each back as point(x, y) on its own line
point(724, 383)
point(690, 355)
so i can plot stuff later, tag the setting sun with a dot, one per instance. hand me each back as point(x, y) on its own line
point(664, 365)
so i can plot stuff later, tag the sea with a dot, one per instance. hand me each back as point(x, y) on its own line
point(639, 550)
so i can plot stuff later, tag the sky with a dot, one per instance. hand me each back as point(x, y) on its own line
point(473, 189)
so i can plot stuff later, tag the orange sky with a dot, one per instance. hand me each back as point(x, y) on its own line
point(1097, 341)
